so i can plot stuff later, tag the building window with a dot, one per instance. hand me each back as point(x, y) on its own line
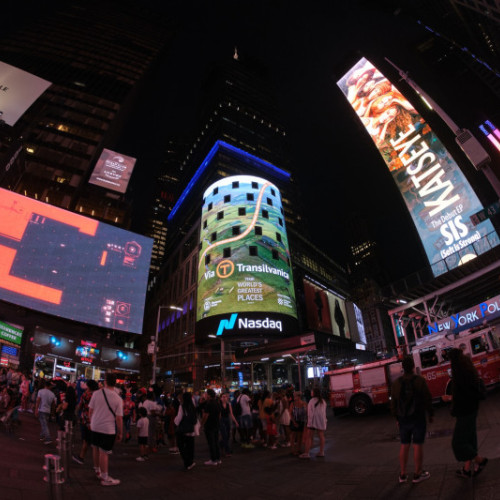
point(236, 230)
point(270, 202)
point(216, 190)
point(276, 254)
point(255, 185)
point(226, 253)
point(204, 224)
point(242, 211)
point(250, 197)
point(280, 221)
point(210, 206)
point(265, 214)
point(273, 192)
point(220, 215)
point(236, 185)
point(227, 198)
point(252, 250)
point(213, 236)
point(207, 259)
point(278, 237)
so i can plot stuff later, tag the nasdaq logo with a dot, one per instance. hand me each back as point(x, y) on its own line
point(227, 324)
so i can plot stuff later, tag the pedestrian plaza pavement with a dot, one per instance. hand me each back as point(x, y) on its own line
point(361, 462)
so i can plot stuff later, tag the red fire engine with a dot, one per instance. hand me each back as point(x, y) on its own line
point(362, 386)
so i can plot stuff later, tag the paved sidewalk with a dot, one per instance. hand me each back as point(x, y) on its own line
point(361, 463)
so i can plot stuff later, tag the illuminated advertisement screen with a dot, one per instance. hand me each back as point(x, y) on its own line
point(326, 312)
point(10, 333)
point(437, 194)
point(87, 352)
point(113, 171)
point(18, 91)
point(116, 359)
point(245, 283)
point(61, 263)
point(54, 345)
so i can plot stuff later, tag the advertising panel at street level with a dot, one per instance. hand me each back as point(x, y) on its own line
point(18, 91)
point(113, 171)
point(62, 263)
point(245, 283)
point(437, 194)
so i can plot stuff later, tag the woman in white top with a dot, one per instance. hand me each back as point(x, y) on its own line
point(316, 421)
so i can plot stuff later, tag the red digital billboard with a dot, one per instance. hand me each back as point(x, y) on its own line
point(62, 263)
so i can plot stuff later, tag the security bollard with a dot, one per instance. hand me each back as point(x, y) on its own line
point(69, 439)
point(53, 472)
point(62, 447)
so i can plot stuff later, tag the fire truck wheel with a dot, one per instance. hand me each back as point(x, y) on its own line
point(360, 405)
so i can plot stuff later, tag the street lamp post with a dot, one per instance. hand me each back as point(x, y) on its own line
point(155, 338)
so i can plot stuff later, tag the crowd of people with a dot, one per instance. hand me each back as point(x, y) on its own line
point(107, 412)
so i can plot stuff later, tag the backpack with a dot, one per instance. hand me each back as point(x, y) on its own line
point(407, 403)
point(237, 408)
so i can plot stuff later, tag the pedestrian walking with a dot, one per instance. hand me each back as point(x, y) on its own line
point(186, 421)
point(226, 419)
point(142, 434)
point(298, 419)
point(316, 423)
point(466, 394)
point(210, 422)
point(84, 411)
point(45, 402)
point(411, 400)
point(106, 424)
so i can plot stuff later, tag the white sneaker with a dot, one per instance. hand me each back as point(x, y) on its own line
point(189, 467)
point(210, 462)
point(109, 481)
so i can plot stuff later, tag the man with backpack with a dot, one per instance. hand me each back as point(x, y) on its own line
point(411, 400)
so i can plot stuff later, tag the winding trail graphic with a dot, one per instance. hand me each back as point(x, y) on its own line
point(244, 233)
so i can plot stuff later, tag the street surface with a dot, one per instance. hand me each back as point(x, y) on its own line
point(361, 463)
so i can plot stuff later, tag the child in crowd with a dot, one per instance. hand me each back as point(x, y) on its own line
point(142, 434)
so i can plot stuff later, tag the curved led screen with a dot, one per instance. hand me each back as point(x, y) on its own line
point(437, 194)
point(245, 281)
point(61, 263)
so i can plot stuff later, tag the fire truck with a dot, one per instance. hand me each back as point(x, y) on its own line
point(358, 388)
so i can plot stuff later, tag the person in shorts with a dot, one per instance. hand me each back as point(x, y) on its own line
point(411, 400)
point(106, 424)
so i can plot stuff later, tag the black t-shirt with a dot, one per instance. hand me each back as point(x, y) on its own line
point(212, 407)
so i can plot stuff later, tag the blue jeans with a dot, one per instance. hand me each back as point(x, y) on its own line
point(44, 424)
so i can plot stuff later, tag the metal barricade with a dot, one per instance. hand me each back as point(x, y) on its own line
point(53, 476)
point(62, 447)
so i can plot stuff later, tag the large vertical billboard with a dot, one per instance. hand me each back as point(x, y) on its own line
point(62, 263)
point(437, 194)
point(18, 91)
point(245, 284)
point(113, 171)
point(326, 311)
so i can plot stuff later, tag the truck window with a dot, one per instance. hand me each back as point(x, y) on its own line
point(478, 345)
point(444, 354)
point(428, 357)
point(493, 339)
